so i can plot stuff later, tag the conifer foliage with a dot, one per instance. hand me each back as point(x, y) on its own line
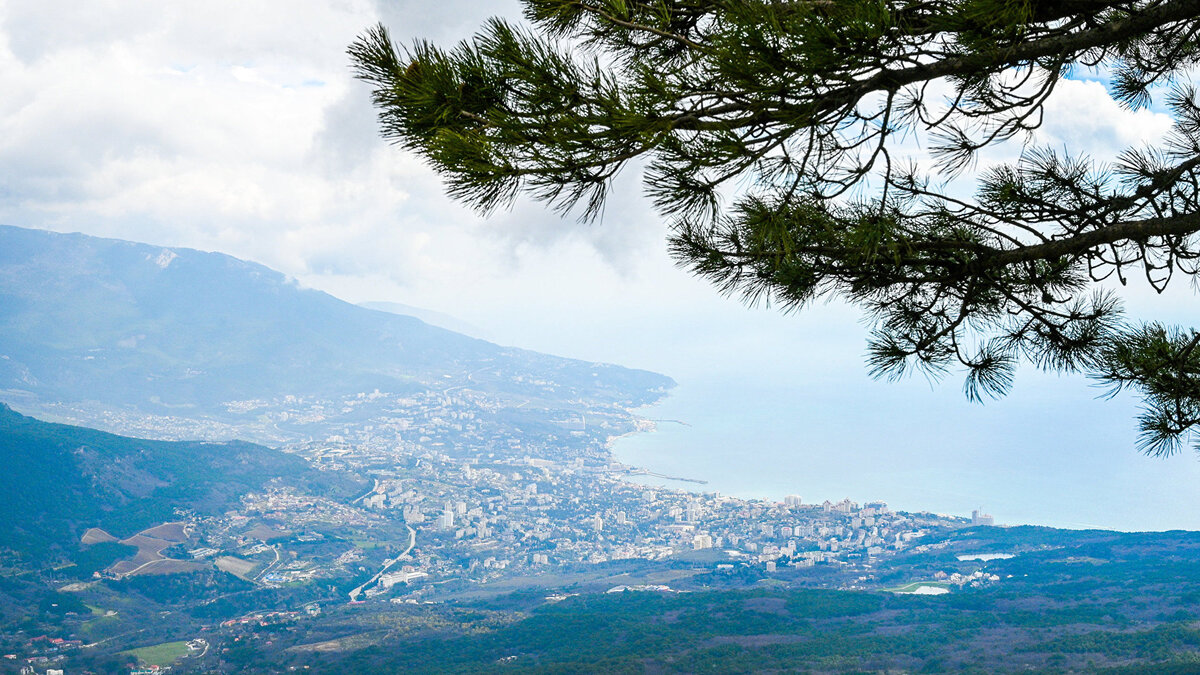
point(769, 133)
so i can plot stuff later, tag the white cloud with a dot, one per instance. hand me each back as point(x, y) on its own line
point(1083, 118)
point(238, 127)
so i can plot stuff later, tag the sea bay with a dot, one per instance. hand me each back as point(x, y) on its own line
point(1051, 453)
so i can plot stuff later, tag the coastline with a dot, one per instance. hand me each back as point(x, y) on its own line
point(647, 425)
point(752, 441)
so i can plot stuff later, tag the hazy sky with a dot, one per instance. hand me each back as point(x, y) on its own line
point(236, 126)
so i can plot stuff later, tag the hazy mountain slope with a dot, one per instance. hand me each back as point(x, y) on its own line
point(429, 316)
point(84, 318)
point(60, 480)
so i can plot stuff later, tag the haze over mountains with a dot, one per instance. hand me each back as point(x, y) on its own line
point(440, 503)
point(173, 331)
point(439, 319)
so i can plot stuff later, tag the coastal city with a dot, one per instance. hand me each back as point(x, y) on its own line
point(479, 522)
point(462, 494)
point(461, 491)
point(584, 336)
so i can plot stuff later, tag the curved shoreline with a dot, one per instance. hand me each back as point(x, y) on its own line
point(645, 425)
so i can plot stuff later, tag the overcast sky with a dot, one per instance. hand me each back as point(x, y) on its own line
point(235, 126)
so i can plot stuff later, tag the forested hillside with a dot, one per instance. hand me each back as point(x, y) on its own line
point(60, 480)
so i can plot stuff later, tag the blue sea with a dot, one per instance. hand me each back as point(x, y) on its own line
point(1051, 453)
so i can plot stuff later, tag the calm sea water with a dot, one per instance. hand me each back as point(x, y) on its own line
point(1050, 453)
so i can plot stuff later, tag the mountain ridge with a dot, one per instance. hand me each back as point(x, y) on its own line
point(165, 329)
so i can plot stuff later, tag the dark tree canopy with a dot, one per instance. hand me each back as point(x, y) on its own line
point(770, 134)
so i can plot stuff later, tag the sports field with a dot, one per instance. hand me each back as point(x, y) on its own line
point(160, 655)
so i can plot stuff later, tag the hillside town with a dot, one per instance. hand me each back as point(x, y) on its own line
point(460, 493)
point(466, 494)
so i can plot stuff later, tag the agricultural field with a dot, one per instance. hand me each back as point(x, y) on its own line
point(96, 535)
point(238, 567)
point(175, 533)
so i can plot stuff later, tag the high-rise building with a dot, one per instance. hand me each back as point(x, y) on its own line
point(979, 518)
